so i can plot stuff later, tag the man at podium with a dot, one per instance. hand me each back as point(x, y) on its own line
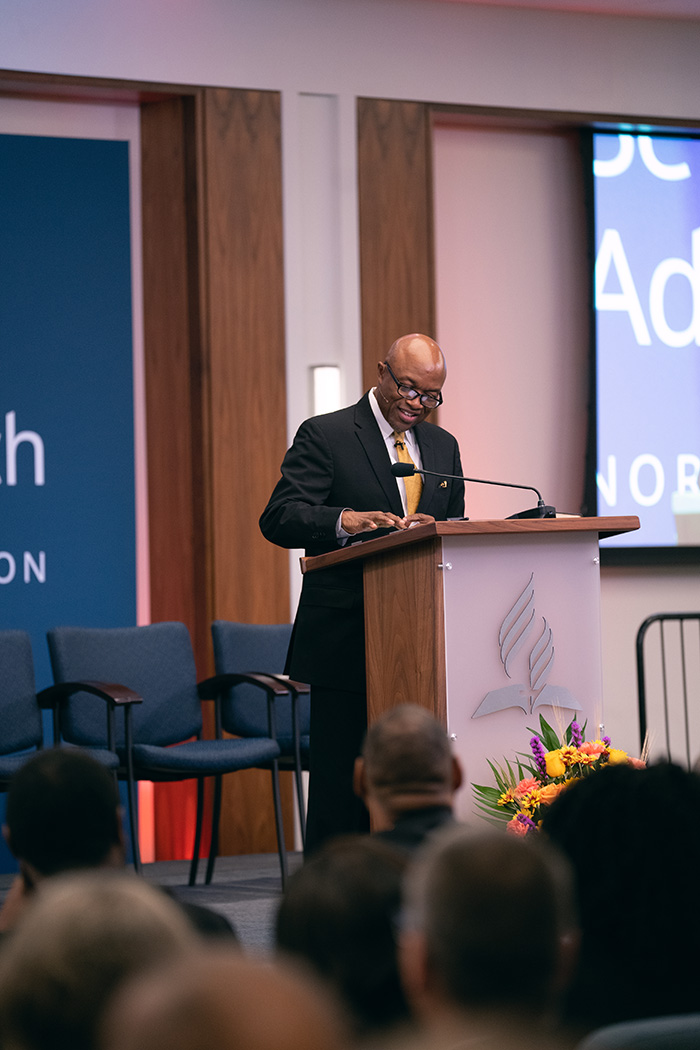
point(337, 488)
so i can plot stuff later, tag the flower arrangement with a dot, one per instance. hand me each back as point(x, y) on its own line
point(524, 787)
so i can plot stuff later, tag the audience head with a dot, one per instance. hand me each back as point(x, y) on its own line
point(63, 814)
point(489, 924)
point(406, 763)
point(338, 916)
point(218, 999)
point(83, 935)
point(633, 837)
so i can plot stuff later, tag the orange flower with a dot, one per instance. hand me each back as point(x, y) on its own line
point(636, 762)
point(593, 747)
point(515, 827)
point(550, 792)
point(528, 784)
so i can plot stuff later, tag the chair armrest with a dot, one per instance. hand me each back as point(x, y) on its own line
point(300, 688)
point(112, 692)
point(212, 688)
point(273, 685)
point(116, 695)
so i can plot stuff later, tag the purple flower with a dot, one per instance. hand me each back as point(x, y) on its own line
point(529, 824)
point(538, 752)
point(576, 735)
point(606, 741)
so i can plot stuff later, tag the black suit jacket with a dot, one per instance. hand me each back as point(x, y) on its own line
point(416, 825)
point(340, 461)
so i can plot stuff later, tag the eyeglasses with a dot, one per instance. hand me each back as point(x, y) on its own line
point(427, 400)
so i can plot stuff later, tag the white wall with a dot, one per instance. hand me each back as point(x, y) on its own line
point(321, 54)
point(512, 301)
point(446, 52)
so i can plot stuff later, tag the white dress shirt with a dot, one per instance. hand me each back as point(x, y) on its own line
point(387, 432)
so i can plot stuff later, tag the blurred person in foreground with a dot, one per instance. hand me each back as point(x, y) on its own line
point(83, 935)
point(407, 776)
point(217, 1000)
point(633, 838)
point(63, 814)
point(338, 918)
point(488, 940)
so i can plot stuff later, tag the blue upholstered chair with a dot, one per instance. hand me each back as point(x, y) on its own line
point(21, 724)
point(159, 736)
point(244, 647)
point(20, 715)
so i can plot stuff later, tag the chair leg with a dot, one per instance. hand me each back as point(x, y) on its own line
point(216, 814)
point(281, 847)
point(133, 824)
point(300, 802)
point(197, 831)
point(297, 766)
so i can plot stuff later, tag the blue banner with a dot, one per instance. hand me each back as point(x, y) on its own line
point(67, 495)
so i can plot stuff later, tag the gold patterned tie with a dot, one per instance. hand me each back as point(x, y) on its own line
point(413, 483)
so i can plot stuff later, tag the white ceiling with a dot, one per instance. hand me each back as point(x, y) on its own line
point(633, 8)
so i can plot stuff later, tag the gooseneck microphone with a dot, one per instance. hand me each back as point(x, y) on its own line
point(405, 470)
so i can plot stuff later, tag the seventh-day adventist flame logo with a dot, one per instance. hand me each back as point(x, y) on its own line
point(520, 626)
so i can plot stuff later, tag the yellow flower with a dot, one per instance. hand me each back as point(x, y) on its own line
point(506, 797)
point(617, 757)
point(530, 802)
point(555, 763)
point(582, 759)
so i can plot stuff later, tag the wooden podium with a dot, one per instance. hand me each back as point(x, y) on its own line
point(466, 618)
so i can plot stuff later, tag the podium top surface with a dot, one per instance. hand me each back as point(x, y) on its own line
point(608, 526)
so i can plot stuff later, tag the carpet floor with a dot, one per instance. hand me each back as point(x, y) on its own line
point(246, 889)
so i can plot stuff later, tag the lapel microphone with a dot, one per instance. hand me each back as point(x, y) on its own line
point(404, 470)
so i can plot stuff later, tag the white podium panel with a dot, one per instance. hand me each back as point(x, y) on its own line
point(522, 637)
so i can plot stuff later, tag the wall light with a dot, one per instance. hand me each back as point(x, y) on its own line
point(325, 388)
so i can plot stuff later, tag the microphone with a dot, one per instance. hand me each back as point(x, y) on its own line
point(405, 470)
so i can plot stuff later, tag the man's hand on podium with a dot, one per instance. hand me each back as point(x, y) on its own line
point(354, 521)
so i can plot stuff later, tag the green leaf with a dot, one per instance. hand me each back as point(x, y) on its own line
point(495, 820)
point(547, 735)
point(529, 768)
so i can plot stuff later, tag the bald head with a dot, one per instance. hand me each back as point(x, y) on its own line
point(217, 999)
point(417, 351)
point(418, 364)
point(407, 762)
point(479, 903)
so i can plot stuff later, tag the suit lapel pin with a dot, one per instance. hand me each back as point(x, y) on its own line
point(443, 484)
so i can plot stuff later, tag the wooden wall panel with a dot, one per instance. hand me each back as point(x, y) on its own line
point(216, 407)
point(244, 299)
point(173, 411)
point(396, 225)
point(244, 392)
